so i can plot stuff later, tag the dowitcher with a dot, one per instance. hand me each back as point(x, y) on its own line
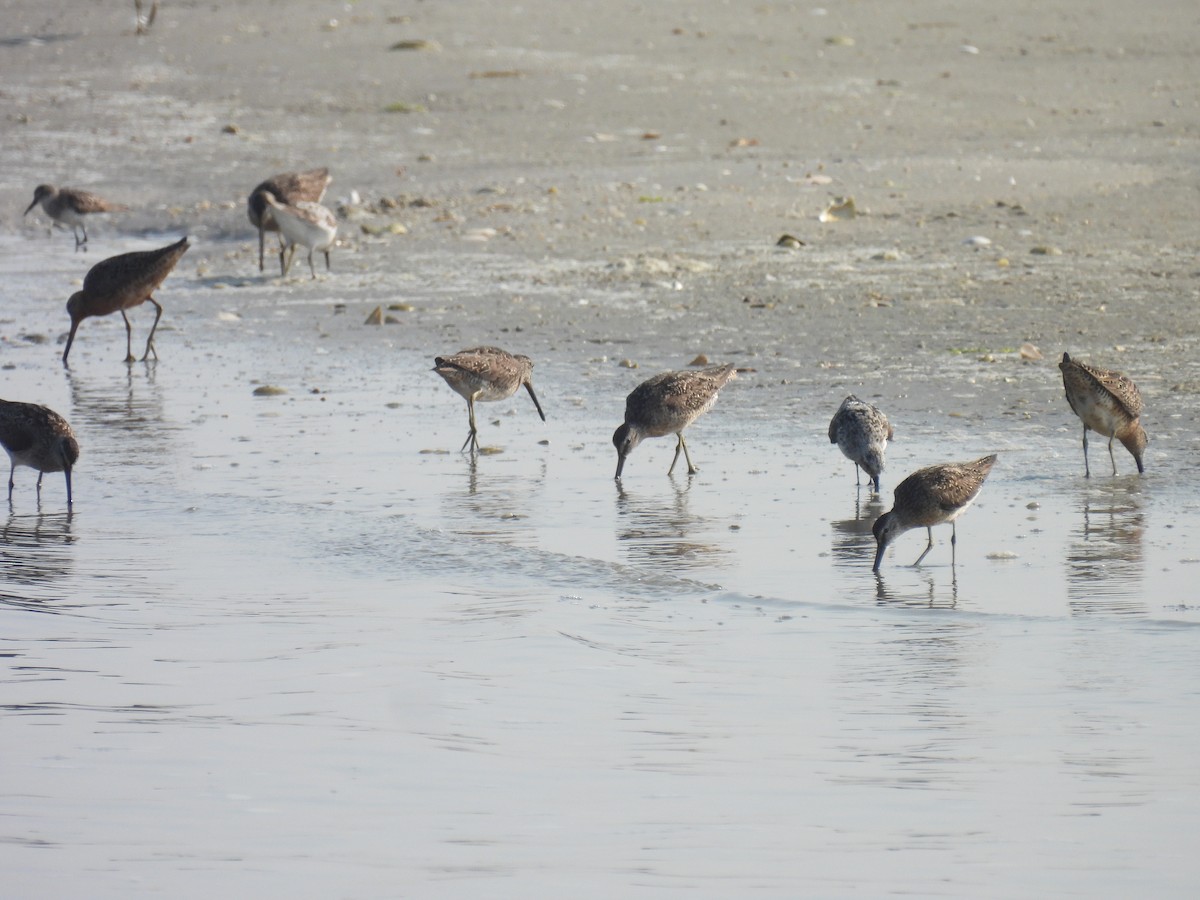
point(1108, 403)
point(120, 283)
point(861, 432)
point(486, 374)
point(305, 223)
point(667, 404)
point(931, 496)
point(37, 437)
point(70, 206)
point(288, 187)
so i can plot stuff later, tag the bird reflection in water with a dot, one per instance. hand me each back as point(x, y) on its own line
point(35, 557)
point(853, 544)
point(653, 528)
point(1105, 557)
point(496, 504)
point(931, 593)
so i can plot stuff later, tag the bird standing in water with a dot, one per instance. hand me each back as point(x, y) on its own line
point(120, 283)
point(486, 374)
point(302, 223)
point(1108, 403)
point(71, 206)
point(667, 404)
point(37, 437)
point(931, 496)
point(861, 432)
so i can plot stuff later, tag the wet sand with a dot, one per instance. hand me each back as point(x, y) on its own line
point(299, 642)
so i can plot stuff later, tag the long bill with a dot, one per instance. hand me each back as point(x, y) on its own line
point(533, 396)
point(879, 556)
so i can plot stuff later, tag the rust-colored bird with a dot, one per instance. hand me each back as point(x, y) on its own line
point(120, 283)
point(37, 437)
point(1108, 403)
point(70, 206)
point(287, 188)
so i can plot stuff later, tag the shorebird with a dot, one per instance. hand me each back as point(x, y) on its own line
point(69, 206)
point(120, 283)
point(37, 437)
point(861, 432)
point(486, 374)
point(288, 187)
point(305, 223)
point(1108, 403)
point(667, 404)
point(142, 20)
point(931, 496)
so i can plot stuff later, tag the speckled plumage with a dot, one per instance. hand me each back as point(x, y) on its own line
point(667, 404)
point(120, 283)
point(287, 187)
point(37, 437)
point(861, 432)
point(931, 496)
point(70, 206)
point(1108, 403)
point(486, 374)
point(305, 223)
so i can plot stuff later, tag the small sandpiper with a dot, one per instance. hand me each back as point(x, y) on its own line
point(667, 404)
point(37, 437)
point(120, 283)
point(861, 432)
point(931, 496)
point(305, 223)
point(288, 187)
point(486, 374)
point(1108, 403)
point(70, 206)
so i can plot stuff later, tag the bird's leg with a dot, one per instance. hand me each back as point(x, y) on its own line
point(310, 264)
point(10, 481)
point(856, 474)
point(327, 269)
point(262, 235)
point(471, 440)
point(128, 338)
point(1110, 453)
point(1087, 472)
point(675, 458)
point(953, 541)
point(928, 547)
point(150, 340)
point(692, 470)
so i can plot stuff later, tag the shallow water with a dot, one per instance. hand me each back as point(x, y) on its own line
point(300, 644)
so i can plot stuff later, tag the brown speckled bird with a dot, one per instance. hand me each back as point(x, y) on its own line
point(486, 374)
point(39, 438)
point(70, 206)
point(861, 432)
point(667, 404)
point(931, 496)
point(288, 188)
point(1108, 403)
point(120, 283)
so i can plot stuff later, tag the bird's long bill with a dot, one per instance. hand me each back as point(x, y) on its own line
point(878, 556)
point(620, 463)
point(30, 206)
point(67, 471)
point(70, 340)
point(529, 387)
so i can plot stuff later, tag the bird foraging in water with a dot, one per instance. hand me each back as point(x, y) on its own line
point(861, 432)
point(37, 437)
point(120, 283)
point(931, 496)
point(1108, 403)
point(305, 223)
point(667, 404)
point(70, 206)
point(287, 187)
point(143, 20)
point(486, 374)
